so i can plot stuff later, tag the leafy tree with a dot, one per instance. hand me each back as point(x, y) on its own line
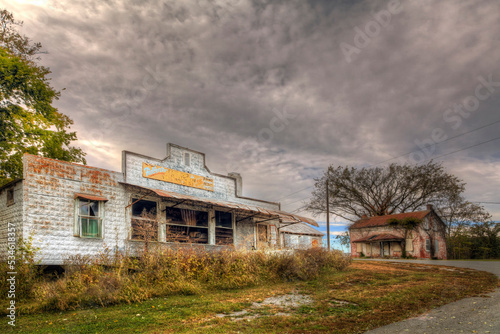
point(28, 121)
point(405, 225)
point(475, 241)
point(354, 192)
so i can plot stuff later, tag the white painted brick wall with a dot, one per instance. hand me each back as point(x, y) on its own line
point(10, 214)
point(50, 188)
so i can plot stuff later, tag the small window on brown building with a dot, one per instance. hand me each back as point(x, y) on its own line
point(10, 196)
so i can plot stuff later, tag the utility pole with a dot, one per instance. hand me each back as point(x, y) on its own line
point(327, 214)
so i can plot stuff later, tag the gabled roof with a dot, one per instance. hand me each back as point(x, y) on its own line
point(384, 220)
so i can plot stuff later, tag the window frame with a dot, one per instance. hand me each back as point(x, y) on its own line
point(428, 245)
point(77, 228)
point(155, 222)
point(195, 228)
point(222, 228)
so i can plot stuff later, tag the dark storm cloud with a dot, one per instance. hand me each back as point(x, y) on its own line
point(219, 76)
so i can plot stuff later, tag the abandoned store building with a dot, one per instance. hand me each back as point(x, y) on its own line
point(71, 209)
point(376, 237)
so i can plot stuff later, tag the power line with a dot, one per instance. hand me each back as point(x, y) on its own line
point(400, 156)
point(444, 141)
point(439, 156)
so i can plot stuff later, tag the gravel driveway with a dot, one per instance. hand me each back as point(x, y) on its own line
point(469, 315)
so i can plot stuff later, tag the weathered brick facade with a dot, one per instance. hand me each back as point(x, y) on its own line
point(45, 204)
point(373, 237)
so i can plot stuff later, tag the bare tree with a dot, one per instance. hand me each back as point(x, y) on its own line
point(354, 192)
point(456, 213)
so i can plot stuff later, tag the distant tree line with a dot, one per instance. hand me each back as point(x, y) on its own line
point(476, 241)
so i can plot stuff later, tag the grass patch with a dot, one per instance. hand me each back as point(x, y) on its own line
point(354, 300)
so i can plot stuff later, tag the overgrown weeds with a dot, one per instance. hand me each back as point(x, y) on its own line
point(111, 278)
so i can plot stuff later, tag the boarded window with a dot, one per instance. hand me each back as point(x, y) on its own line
point(186, 226)
point(144, 220)
point(223, 228)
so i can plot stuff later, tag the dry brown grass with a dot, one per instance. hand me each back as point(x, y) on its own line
point(374, 293)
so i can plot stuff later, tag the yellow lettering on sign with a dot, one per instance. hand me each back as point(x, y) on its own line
point(174, 176)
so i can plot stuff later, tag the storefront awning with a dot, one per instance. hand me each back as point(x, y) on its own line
point(251, 209)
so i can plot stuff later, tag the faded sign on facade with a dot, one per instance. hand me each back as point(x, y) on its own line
point(174, 176)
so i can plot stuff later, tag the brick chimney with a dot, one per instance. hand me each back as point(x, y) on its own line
point(364, 216)
point(430, 207)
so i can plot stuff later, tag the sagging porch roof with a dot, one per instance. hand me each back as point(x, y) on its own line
point(253, 210)
point(380, 237)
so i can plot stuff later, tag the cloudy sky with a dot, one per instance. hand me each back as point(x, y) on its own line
point(277, 90)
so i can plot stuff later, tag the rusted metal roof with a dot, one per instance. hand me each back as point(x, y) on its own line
point(384, 220)
point(91, 197)
point(291, 218)
point(380, 237)
point(300, 228)
point(284, 216)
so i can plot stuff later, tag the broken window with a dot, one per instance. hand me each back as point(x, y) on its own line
point(144, 220)
point(89, 218)
point(223, 228)
point(10, 196)
point(186, 226)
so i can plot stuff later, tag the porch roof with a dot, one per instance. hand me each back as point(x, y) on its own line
point(380, 237)
point(253, 210)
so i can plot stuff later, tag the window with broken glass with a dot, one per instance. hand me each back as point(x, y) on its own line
point(223, 228)
point(89, 218)
point(144, 220)
point(186, 226)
